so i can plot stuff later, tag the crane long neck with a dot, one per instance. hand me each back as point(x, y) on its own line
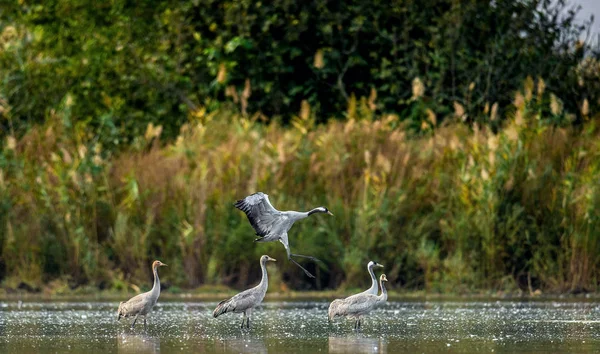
point(297, 215)
point(264, 282)
point(374, 285)
point(156, 286)
point(315, 210)
point(383, 296)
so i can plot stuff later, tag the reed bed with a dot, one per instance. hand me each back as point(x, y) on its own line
point(450, 208)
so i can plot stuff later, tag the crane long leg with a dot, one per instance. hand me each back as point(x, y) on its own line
point(248, 322)
point(145, 326)
point(285, 243)
point(303, 256)
point(301, 267)
point(134, 320)
point(243, 320)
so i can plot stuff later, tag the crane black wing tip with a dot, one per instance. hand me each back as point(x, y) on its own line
point(241, 204)
point(246, 204)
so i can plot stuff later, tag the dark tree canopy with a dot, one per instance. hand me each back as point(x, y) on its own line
point(123, 64)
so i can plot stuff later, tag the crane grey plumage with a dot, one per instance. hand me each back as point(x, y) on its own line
point(374, 289)
point(357, 305)
point(142, 304)
point(246, 300)
point(271, 224)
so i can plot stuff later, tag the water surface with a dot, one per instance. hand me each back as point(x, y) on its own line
point(301, 327)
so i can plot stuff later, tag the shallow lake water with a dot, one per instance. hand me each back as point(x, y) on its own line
point(302, 327)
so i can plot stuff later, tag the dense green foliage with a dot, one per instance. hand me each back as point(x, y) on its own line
point(128, 129)
point(125, 64)
point(455, 210)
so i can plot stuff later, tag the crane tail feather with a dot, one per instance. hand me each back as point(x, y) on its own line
point(222, 307)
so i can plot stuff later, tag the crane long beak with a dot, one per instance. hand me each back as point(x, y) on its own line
point(330, 213)
point(164, 265)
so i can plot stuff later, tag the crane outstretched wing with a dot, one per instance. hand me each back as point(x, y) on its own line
point(261, 214)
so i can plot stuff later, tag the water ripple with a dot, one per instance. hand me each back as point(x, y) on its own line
point(455, 327)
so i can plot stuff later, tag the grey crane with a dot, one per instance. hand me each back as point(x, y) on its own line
point(374, 289)
point(359, 305)
point(142, 304)
point(273, 225)
point(247, 300)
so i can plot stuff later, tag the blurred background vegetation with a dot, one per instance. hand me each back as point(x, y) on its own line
point(457, 142)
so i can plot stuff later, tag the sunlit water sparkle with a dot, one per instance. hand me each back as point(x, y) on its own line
point(302, 327)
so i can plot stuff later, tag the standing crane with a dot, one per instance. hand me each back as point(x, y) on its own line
point(271, 224)
point(358, 305)
point(246, 300)
point(374, 289)
point(142, 304)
